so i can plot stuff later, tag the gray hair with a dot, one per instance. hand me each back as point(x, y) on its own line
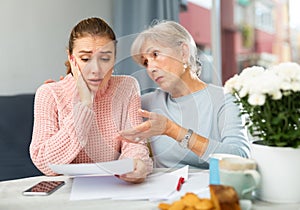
point(167, 34)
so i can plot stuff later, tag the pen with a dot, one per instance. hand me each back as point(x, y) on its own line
point(180, 182)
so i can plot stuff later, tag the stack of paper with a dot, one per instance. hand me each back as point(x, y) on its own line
point(97, 181)
point(160, 186)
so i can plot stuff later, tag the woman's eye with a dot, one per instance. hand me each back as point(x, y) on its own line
point(155, 54)
point(105, 59)
point(85, 59)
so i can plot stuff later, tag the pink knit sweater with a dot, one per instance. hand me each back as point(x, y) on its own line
point(65, 131)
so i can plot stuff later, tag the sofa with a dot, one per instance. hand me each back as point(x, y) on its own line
point(16, 123)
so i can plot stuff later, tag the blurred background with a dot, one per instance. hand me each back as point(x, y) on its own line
point(230, 34)
point(252, 32)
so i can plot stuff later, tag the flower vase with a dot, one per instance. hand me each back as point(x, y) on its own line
point(280, 173)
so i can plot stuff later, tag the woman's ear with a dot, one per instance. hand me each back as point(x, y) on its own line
point(185, 52)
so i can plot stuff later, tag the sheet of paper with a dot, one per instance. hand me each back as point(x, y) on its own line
point(86, 188)
point(182, 172)
point(101, 169)
point(196, 183)
point(159, 186)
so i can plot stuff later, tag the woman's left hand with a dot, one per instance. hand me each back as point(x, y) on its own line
point(138, 175)
point(155, 125)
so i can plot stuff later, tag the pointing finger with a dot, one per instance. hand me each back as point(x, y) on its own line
point(144, 113)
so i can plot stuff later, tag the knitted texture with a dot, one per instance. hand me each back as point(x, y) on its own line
point(66, 131)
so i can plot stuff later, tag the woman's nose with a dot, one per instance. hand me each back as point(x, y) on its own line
point(95, 66)
point(151, 65)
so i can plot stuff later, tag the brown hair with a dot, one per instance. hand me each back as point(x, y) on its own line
point(89, 27)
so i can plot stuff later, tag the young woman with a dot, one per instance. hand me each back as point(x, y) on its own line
point(187, 119)
point(77, 119)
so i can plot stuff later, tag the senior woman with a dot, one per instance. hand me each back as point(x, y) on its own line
point(187, 120)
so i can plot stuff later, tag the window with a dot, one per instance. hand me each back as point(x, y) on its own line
point(264, 16)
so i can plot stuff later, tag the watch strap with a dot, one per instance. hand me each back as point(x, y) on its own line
point(185, 141)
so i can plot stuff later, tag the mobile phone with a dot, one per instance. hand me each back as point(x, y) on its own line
point(44, 188)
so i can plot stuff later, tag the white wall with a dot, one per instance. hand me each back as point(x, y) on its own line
point(34, 36)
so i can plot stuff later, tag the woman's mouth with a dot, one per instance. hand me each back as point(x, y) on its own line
point(158, 79)
point(95, 82)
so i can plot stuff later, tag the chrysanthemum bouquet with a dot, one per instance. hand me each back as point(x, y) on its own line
point(270, 101)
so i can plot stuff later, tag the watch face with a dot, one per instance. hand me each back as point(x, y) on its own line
point(184, 143)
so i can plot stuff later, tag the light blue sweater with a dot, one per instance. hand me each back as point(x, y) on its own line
point(209, 113)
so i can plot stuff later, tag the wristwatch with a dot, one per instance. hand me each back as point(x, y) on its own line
point(185, 141)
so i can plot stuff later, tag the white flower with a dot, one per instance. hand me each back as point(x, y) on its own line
point(288, 72)
point(257, 99)
point(252, 72)
point(245, 82)
point(269, 83)
point(258, 83)
point(232, 85)
point(244, 91)
point(285, 85)
point(295, 86)
point(263, 96)
point(276, 95)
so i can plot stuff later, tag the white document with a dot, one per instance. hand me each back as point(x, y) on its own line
point(158, 186)
point(100, 169)
point(182, 172)
point(110, 187)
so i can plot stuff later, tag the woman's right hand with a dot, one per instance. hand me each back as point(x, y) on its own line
point(156, 124)
point(86, 95)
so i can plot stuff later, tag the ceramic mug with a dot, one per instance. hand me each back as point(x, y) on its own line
point(239, 173)
point(214, 175)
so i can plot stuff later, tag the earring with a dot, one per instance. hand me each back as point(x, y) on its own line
point(185, 66)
